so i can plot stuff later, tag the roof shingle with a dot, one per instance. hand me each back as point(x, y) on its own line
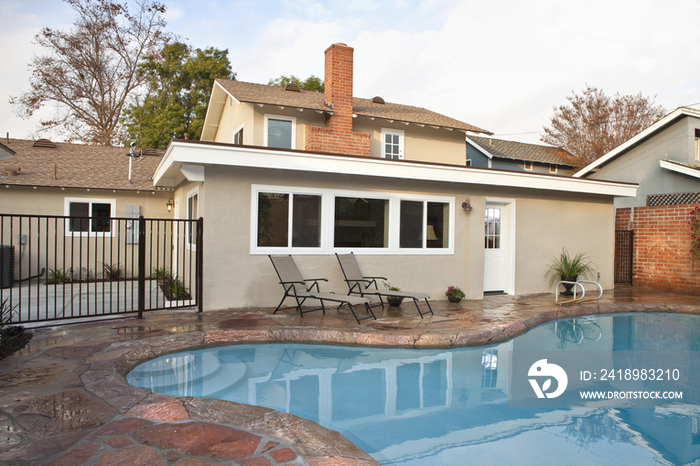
point(275, 95)
point(77, 166)
point(522, 151)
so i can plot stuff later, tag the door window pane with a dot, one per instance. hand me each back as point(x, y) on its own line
point(361, 223)
point(273, 219)
point(492, 238)
point(306, 225)
point(279, 133)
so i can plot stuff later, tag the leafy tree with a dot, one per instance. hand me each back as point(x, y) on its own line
point(312, 83)
point(179, 85)
point(90, 72)
point(593, 124)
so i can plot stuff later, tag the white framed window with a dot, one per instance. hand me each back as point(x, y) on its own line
point(286, 220)
point(280, 131)
point(424, 224)
point(697, 145)
point(89, 217)
point(238, 136)
point(552, 168)
point(392, 144)
point(469, 162)
point(192, 214)
point(527, 166)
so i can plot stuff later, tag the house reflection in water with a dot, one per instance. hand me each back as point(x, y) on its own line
point(405, 406)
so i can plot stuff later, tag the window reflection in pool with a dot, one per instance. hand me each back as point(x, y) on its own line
point(450, 407)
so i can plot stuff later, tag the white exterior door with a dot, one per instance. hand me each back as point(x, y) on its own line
point(494, 265)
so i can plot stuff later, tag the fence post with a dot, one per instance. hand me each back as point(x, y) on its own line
point(142, 265)
point(200, 264)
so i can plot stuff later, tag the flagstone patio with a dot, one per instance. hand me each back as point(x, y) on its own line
point(64, 399)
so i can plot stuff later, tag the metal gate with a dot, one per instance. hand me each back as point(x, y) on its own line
point(54, 267)
point(624, 256)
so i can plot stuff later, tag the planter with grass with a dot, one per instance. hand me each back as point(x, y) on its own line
point(567, 268)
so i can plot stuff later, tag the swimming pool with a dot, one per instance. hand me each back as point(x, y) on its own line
point(446, 407)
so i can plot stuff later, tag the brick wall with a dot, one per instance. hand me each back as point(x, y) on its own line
point(662, 246)
point(338, 136)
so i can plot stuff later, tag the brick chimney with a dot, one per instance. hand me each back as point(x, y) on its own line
point(337, 136)
point(338, 86)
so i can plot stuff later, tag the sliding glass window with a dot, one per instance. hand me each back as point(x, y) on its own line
point(278, 211)
point(424, 224)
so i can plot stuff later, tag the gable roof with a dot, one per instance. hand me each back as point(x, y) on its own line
point(520, 151)
point(76, 166)
point(651, 131)
point(309, 100)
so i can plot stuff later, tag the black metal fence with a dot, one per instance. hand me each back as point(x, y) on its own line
point(54, 267)
point(624, 256)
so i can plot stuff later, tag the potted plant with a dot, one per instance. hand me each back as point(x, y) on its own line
point(454, 294)
point(567, 268)
point(393, 300)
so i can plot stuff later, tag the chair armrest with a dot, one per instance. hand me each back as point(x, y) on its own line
point(314, 283)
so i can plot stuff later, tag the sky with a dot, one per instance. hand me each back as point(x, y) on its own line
point(501, 65)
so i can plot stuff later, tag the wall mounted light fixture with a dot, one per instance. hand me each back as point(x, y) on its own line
point(467, 206)
point(169, 204)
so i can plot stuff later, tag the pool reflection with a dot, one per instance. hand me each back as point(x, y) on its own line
point(440, 407)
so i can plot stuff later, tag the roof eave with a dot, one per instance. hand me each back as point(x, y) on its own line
point(256, 157)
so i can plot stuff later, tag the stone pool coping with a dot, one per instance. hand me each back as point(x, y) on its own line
point(64, 399)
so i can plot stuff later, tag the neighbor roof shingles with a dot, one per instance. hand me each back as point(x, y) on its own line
point(275, 95)
point(523, 151)
point(77, 166)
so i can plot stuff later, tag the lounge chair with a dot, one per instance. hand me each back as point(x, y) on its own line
point(360, 284)
point(295, 286)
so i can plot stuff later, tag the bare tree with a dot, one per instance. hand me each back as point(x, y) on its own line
point(90, 72)
point(593, 124)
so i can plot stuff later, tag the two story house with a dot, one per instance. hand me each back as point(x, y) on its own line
point(286, 171)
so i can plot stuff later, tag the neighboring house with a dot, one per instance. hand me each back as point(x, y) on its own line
point(61, 179)
point(511, 155)
point(664, 160)
point(283, 171)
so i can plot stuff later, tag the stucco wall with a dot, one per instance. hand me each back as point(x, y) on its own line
point(420, 144)
point(641, 164)
point(544, 223)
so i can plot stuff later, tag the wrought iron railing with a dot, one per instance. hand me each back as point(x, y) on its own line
point(54, 267)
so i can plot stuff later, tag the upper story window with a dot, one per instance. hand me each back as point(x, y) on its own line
point(552, 168)
point(280, 131)
point(89, 216)
point(528, 166)
point(392, 143)
point(697, 145)
point(238, 136)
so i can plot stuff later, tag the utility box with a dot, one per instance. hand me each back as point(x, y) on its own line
point(7, 266)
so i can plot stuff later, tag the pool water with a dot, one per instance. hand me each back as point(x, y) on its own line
point(450, 407)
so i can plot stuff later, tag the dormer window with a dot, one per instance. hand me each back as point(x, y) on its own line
point(280, 131)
